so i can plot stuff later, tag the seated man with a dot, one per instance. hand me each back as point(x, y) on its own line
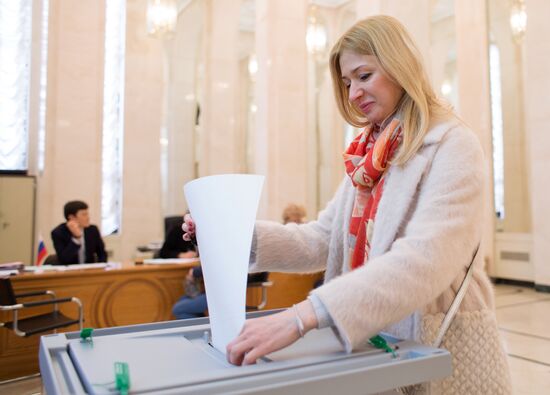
point(76, 241)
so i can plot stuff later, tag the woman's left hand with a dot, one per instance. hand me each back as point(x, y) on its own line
point(264, 335)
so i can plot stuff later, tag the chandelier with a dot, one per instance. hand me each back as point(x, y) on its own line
point(316, 36)
point(518, 20)
point(162, 16)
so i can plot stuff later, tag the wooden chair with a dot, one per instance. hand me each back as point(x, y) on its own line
point(9, 301)
point(51, 260)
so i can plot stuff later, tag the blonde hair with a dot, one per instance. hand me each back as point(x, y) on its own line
point(387, 39)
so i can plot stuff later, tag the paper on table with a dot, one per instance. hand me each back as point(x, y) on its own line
point(224, 210)
point(169, 261)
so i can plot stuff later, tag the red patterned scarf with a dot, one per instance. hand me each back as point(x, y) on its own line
point(366, 160)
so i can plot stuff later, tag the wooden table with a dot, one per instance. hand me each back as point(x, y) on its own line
point(130, 294)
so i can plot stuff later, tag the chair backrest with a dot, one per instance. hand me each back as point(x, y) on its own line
point(260, 277)
point(51, 260)
point(171, 222)
point(7, 296)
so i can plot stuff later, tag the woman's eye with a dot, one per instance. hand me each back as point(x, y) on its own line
point(364, 77)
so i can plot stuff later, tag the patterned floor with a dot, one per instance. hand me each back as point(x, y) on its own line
point(524, 321)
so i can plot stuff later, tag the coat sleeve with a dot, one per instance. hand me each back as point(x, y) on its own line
point(436, 244)
point(296, 247)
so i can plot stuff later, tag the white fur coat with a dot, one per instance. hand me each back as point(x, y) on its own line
point(426, 230)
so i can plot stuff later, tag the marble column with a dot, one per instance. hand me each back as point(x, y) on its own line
point(73, 117)
point(282, 146)
point(474, 98)
point(183, 58)
point(141, 215)
point(220, 139)
point(537, 121)
point(418, 26)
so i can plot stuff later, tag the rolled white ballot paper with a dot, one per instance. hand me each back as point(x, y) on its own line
point(224, 210)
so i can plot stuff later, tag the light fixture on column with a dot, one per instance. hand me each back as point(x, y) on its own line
point(518, 19)
point(162, 16)
point(316, 36)
point(446, 88)
point(252, 65)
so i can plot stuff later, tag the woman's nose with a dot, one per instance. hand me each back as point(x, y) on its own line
point(355, 92)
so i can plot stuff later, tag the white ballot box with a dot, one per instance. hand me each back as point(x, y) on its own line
point(176, 357)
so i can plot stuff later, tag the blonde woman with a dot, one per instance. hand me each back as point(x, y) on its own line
point(403, 228)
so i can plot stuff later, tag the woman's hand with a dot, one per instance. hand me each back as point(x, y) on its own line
point(188, 228)
point(264, 335)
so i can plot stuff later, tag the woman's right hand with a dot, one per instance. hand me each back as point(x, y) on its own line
point(188, 228)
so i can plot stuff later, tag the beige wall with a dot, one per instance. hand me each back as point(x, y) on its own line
point(537, 117)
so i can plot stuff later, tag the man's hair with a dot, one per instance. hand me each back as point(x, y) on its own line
point(72, 207)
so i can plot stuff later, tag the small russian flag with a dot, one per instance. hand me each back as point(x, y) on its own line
point(42, 252)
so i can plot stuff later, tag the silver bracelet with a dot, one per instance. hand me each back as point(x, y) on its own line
point(299, 322)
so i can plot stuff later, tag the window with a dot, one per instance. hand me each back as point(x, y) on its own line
point(15, 59)
point(43, 86)
point(113, 116)
point(496, 120)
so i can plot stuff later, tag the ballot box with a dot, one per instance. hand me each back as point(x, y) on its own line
point(176, 357)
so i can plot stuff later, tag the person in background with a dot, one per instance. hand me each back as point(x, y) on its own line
point(193, 303)
point(175, 247)
point(403, 229)
point(294, 213)
point(76, 241)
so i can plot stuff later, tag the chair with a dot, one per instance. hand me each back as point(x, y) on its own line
point(259, 280)
point(51, 260)
point(171, 222)
point(9, 301)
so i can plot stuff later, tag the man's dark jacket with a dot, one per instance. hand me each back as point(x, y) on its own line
point(67, 250)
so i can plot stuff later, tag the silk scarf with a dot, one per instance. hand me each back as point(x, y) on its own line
point(366, 161)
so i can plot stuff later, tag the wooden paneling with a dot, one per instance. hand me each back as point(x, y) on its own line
point(124, 296)
point(290, 288)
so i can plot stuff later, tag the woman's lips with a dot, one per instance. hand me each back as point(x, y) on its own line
point(366, 106)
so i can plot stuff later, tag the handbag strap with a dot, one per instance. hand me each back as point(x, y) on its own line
point(456, 302)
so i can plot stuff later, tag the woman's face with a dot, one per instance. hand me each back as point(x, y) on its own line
point(369, 87)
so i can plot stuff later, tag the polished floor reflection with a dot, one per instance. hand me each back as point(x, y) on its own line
point(524, 321)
